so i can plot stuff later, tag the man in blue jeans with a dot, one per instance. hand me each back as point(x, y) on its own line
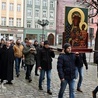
point(45, 65)
point(66, 67)
point(82, 60)
point(18, 48)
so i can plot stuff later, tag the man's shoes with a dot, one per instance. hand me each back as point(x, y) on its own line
point(17, 75)
point(44, 78)
point(9, 82)
point(40, 88)
point(79, 90)
point(49, 92)
point(26, 78)
point(29, 79)
point(93, 94)
point(36, 74)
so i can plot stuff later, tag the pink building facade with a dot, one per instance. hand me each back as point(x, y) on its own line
point(60, 17)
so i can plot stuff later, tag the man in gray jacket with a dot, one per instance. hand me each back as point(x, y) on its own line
point(29, 54)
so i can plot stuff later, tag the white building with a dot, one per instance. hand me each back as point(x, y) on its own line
point(35, 10)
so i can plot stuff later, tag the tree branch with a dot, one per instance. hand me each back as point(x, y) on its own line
point(93, 15)
point(91, 4)
point(94, 1)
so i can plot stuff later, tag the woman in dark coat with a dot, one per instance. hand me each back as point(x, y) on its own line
point(6, 62)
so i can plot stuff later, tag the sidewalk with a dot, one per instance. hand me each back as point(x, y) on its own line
point(22, 89)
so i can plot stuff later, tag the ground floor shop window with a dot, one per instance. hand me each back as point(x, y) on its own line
point(32, 36)
point(6, 36)
point(59, 39)
point(42, 37)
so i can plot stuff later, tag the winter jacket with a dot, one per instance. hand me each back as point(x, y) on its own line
point(18, 50)
point(45, 58)
point(82, 60)
point(29, 57)
point(66, 66)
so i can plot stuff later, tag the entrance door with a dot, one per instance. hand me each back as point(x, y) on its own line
point(51, 39)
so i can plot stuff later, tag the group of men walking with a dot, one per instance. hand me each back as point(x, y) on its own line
point(68, 64)
point(32, 54)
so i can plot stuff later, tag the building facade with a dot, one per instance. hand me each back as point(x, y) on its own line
point(92, 28)
point(61, 17)
point(11, 19)
point(35, 10)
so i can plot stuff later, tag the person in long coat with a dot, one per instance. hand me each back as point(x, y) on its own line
point(7, 62)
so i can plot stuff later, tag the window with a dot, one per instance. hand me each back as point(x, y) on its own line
point(11, 21)
point(29, 12)
point(92, 11)
point(44, 3)
point(36, 13)
point(11, 34)
point(11, 6)
point(51, 14)
point(29, 2)
point(36, 25)
point(3, 5)
point(31, 36)
point(44, 14)
point(3, 21)
point(28, 24)
point(18, 7)
point(51, 25)
point(37, 2)
point(92, 21)
point(51, 4)
point(18, 22)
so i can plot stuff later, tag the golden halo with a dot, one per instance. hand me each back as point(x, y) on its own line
point(80, 25)
point(73, 10)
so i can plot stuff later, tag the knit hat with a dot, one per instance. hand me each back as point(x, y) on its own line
point(46, 42)
point(35, 41)
point(66, 45)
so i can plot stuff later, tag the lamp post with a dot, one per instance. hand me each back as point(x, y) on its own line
point(43, 23)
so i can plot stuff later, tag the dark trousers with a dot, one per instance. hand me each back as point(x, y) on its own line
point(28, 71)
point(36, 68)
point(96, 90)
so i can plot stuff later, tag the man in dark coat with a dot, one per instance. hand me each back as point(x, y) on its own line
point(82, 60)
point(6, 62)
point(45, 65)
point(96, 88)
point(36, 45)
point(66, 67)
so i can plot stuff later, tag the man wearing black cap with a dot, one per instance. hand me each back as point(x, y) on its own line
point(66, 67)
point(45, 65)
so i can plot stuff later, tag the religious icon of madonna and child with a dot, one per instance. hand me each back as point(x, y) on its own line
point(76, 27)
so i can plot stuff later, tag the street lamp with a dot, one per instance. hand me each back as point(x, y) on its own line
point(43, 23)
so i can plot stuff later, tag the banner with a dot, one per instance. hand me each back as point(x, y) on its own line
point(76, 25)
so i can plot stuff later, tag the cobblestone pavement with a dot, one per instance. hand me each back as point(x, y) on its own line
point(22, 89)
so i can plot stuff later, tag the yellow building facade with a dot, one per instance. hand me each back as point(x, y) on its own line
point(11, 19)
